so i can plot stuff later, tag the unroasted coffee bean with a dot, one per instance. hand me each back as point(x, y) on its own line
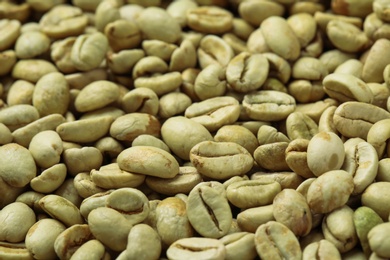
point(208, 211)
point(274, 240)
point(221, 160)
point(329, 191)
point(291, 209)
point(148, 160)
point(197, 248)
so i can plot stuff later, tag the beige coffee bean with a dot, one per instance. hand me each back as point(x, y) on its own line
point(109, 147)
point(376, 62)
point(31, 199)
point(324, 18)
point(60, 52)
point(304, 27)
point(68, 190)
point(331, 160)
point(159, 49)
point(272, 156)
point(291, 209)
point(239, 245)
point(268, 134)
point(330, 191)
point(10, 193)
point(274, 240)
point(178, 10)
point(286, 179)
point(183, 57)
point(351, 66)
point(197, 248)
point(149, 65)
point(256, 42)
point(172, 210)
point(181, 134)
point(130, 202)
point(44, 230)
point(123, 61)
point(5, 134)
point(82, 159)
point(105, 13)
point(109, 227)
point(296, 157)
point(237, 134)
point(14, 251)
point(21, 173)
point(51, 94)
point(285, 43)
point(148, 160)
point(67, 243)
point(241, 28)
point(268, 105)
point(16, 219)
point(375, 196)
point(350, 114)
point(110, 176)
point(24, 134)
point(86, 130)
point(187, 178)
point(342, 236)
point(10, 31)
point(31, 44)
point(252, 193)
point(243, 74)
point(210, 82)
point(377, 136)
point(46, 148)
point(17, 116)
point(210, 19)
point(220, 160)
point(61, 209)
point(96, 95)
point(89, 51)
point(82, 79)
point(32, 69)
point(381, 9)
point(156, 23)
point(361, 161)
point(122, 34)
point(250, 219)
point(143, 242)
point(356, 38)
point(50, 179)
point(236, 43)
point(380, 92)
point(375, 28)
point(213, 49)
point(333, 58)
point(20, 92)
point(300, 126)
point(309, 68)
point(345, 87)
point(63, 21)
point(352, 8)
point(322, 249)
point(326, 123)
point(8, 60)
point(92, 249)
point(383, 173)
point(214, 113)
point(149, 140)
point(378, 240)
point(208, 211)
point(172, 104)
point(305, 91)
point(94, 201)
point(160, 84)
point(255, 12)
point(143, 100)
